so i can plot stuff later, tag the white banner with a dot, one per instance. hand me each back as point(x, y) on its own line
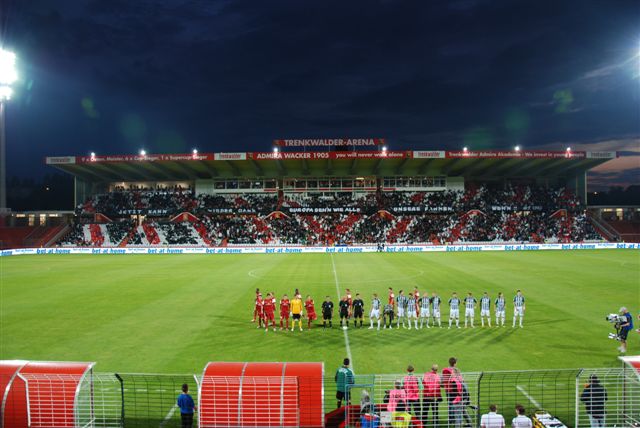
point(338, 249)
point(230, 156)
point(429, 154)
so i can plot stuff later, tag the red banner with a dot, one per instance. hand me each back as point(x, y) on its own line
point(329, 142)
point(329, 155)
point(528, 154)
point(145, 158)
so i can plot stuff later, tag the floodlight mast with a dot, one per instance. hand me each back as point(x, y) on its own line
point(8, 76)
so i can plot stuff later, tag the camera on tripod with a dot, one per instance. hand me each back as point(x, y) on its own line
point(617, 321)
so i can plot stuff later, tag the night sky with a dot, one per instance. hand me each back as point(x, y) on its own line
point(114, 76)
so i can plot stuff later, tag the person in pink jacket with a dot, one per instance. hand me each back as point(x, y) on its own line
point(396, 396)
point(431, 395)
point(453, 387)
point(411, 386)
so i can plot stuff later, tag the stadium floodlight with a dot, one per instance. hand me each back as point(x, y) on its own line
point(568, 149)
point(465, 149)
point(143, 152)
point(384, 148)
point(195, 151)
point(275, 150)
point(8, 74)
point(517, 148)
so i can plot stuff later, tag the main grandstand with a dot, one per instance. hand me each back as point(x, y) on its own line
point(330, 197)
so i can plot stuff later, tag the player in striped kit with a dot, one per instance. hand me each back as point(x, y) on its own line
point(435, 305)
point(500, 309)
point(518, 307)
point(401, 302)
point(412, 307)
point(485, 307)
point(424, 303)
point(454, 310)
point(470, 303)
point(375, 311)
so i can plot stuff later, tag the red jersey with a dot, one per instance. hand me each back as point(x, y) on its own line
point(392, 298)
point(259, 304)
point(285, 307)
point(349, 299)
point(309, 306)
point(268, 306)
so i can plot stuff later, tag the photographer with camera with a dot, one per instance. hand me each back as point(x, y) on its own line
point(625, 328)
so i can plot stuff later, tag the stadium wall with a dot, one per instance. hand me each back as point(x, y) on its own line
point(337, 249)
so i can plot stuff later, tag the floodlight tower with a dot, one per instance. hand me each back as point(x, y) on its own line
point(8, 76)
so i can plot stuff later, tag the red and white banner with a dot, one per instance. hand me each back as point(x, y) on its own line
point(329, 155)
point(529, 154)
point(329, 142)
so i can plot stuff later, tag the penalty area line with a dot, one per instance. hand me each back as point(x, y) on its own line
point(169, 416)
point(529, 397)
point(346, 335)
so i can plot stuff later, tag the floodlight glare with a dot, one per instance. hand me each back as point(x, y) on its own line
point(195, 151)
point(384, 148)
point(5, 93)
point(143, 152)
point(568, 149)
point(517, 148)
point(275, 150)
point(8, 73)
point(465, 149)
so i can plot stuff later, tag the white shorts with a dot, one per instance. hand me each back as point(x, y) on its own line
point(412, 314)
point(518, 311)
point(375, 313)
point(424, 313)
point(499, 314)
point(469, 313)
point(436, 313)
point(485, 313)
point(400, 311)
point(454, 313)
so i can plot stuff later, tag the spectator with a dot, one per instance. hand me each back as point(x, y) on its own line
point(453, 388)
point(411, 386)
point(521, 421)
point(431, 395)
point(492, 419)
point(397, 397)
point(344, 379)
point(594, 397)
point(187, 407)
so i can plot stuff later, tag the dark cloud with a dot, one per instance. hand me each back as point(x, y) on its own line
point(232, 75)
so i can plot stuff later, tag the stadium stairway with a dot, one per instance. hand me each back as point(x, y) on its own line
point(97, 238)
point(151, 234)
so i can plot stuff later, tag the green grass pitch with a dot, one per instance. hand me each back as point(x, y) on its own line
point(174, 313)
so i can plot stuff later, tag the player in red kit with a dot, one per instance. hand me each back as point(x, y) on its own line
point(258, 308)
point(350, 301)
point(269, 309)
point(416, 295)
point(392, 297)
point(258, 312)
point(285, 309)
point(311, 311)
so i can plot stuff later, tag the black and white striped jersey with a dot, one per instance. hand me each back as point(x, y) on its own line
point(470, 302)
point(518, 301)
point(500, 304)
point(485, 303)
point(454, 303)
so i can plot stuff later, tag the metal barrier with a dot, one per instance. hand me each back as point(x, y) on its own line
point(145, 400)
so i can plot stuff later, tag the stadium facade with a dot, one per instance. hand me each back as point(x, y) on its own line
point(356, 171)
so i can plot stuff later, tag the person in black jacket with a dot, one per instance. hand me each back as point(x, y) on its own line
point(594, 397)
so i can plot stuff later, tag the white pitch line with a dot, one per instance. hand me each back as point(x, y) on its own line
point(346, 335)
point(169, 416)
point(529, 397)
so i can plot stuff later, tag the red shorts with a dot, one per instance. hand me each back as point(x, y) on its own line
point(284, 315)
point(268, 316)
point(312, 316)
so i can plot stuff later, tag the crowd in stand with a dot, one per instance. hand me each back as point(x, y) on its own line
point(479, 214)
